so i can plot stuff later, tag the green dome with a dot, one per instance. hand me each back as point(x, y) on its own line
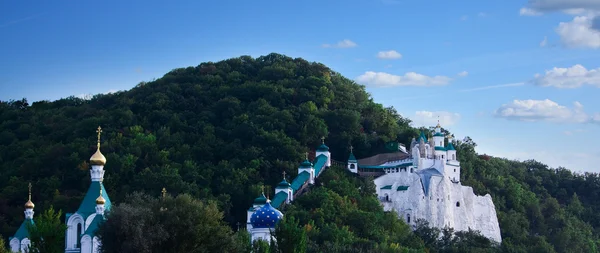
point(284, 184)
point(450, 146)
point(323, 148)
point(306, 164)
point(261, 200)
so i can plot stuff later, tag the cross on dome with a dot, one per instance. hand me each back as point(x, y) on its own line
point(99, 131)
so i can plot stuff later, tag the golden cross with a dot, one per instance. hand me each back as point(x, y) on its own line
point(306, 155)
point(351, 148)
point(262, 188)
point(284, 175)
point(99, 131)
point(164, 192)
point(30, 191)
point(323, 139)
point(100, 188)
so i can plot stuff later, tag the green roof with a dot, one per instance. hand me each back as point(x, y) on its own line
point(300, 180)
point(320, 163)
point(88, 205)
point(283, 184)
point(261, 200)
point(323, 148)
point(279, 199)
point(22, 232)
point(440, 134)
point(422, 136)
point(450, 146)
point(352, 158)
point(402, 188)
point(306, 164)
point(91, 230)
point(440, 148)
point(387, 187)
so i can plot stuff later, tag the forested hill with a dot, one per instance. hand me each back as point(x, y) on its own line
point(219, 130)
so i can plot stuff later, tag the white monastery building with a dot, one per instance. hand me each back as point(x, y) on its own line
point(424, 183)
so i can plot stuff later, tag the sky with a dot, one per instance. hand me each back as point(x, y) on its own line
point(521, 78)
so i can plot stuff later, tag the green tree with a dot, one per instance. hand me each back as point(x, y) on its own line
point(47, 235)
point(169, 224)
point(290, 236)
point(3, 248)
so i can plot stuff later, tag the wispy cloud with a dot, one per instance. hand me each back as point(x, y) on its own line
point(16, 21)
point(493, 87)
point(341, 44)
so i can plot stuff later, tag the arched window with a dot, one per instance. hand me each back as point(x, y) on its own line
point(411, 170)
point(79, 235)
point(453, 157)
point(408, 218)
point(387, 198)
point(457, 204)
point(352, 166)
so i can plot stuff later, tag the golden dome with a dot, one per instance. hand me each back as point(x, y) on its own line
point(100, 200)
point(98, 158)
point(29, 205)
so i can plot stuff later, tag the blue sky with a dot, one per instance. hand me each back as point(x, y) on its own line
point(473, 63)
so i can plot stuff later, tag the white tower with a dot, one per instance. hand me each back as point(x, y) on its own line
point(286, 187)
point(438, 143)
point(307, 166)
point(97, 161)
point(324, 150)
point(352, 162)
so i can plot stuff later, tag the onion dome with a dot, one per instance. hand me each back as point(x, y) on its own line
point(450, 146)
point(265, 217)
point(323, 147)
point(284, 184)
point(100, 200)
point(306, 164)
point(98, 158)
point(261, 200)
point(29, 204)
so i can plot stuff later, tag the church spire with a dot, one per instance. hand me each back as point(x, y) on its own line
point(100, 201)
point(29, 206)
point(98, 158)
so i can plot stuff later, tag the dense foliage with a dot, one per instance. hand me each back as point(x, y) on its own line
point(218, 131)
point(147, 224)
point(48, 233)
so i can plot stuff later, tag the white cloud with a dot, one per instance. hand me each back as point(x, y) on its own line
point(543, 110)
point(463, 73)
point(528, 12)
point(428, 118)
point(464, 17)
point(341, 44)
point(544, 42)
point(572, 77)
point(579, 33)
point(382, 79)
point(392, 54)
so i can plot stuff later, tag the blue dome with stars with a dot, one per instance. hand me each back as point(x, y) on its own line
point(266, 216)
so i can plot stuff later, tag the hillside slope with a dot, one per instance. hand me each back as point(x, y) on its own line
point(219, 130)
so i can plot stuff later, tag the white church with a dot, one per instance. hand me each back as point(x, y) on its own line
point(424, 183)
point(80, 236)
